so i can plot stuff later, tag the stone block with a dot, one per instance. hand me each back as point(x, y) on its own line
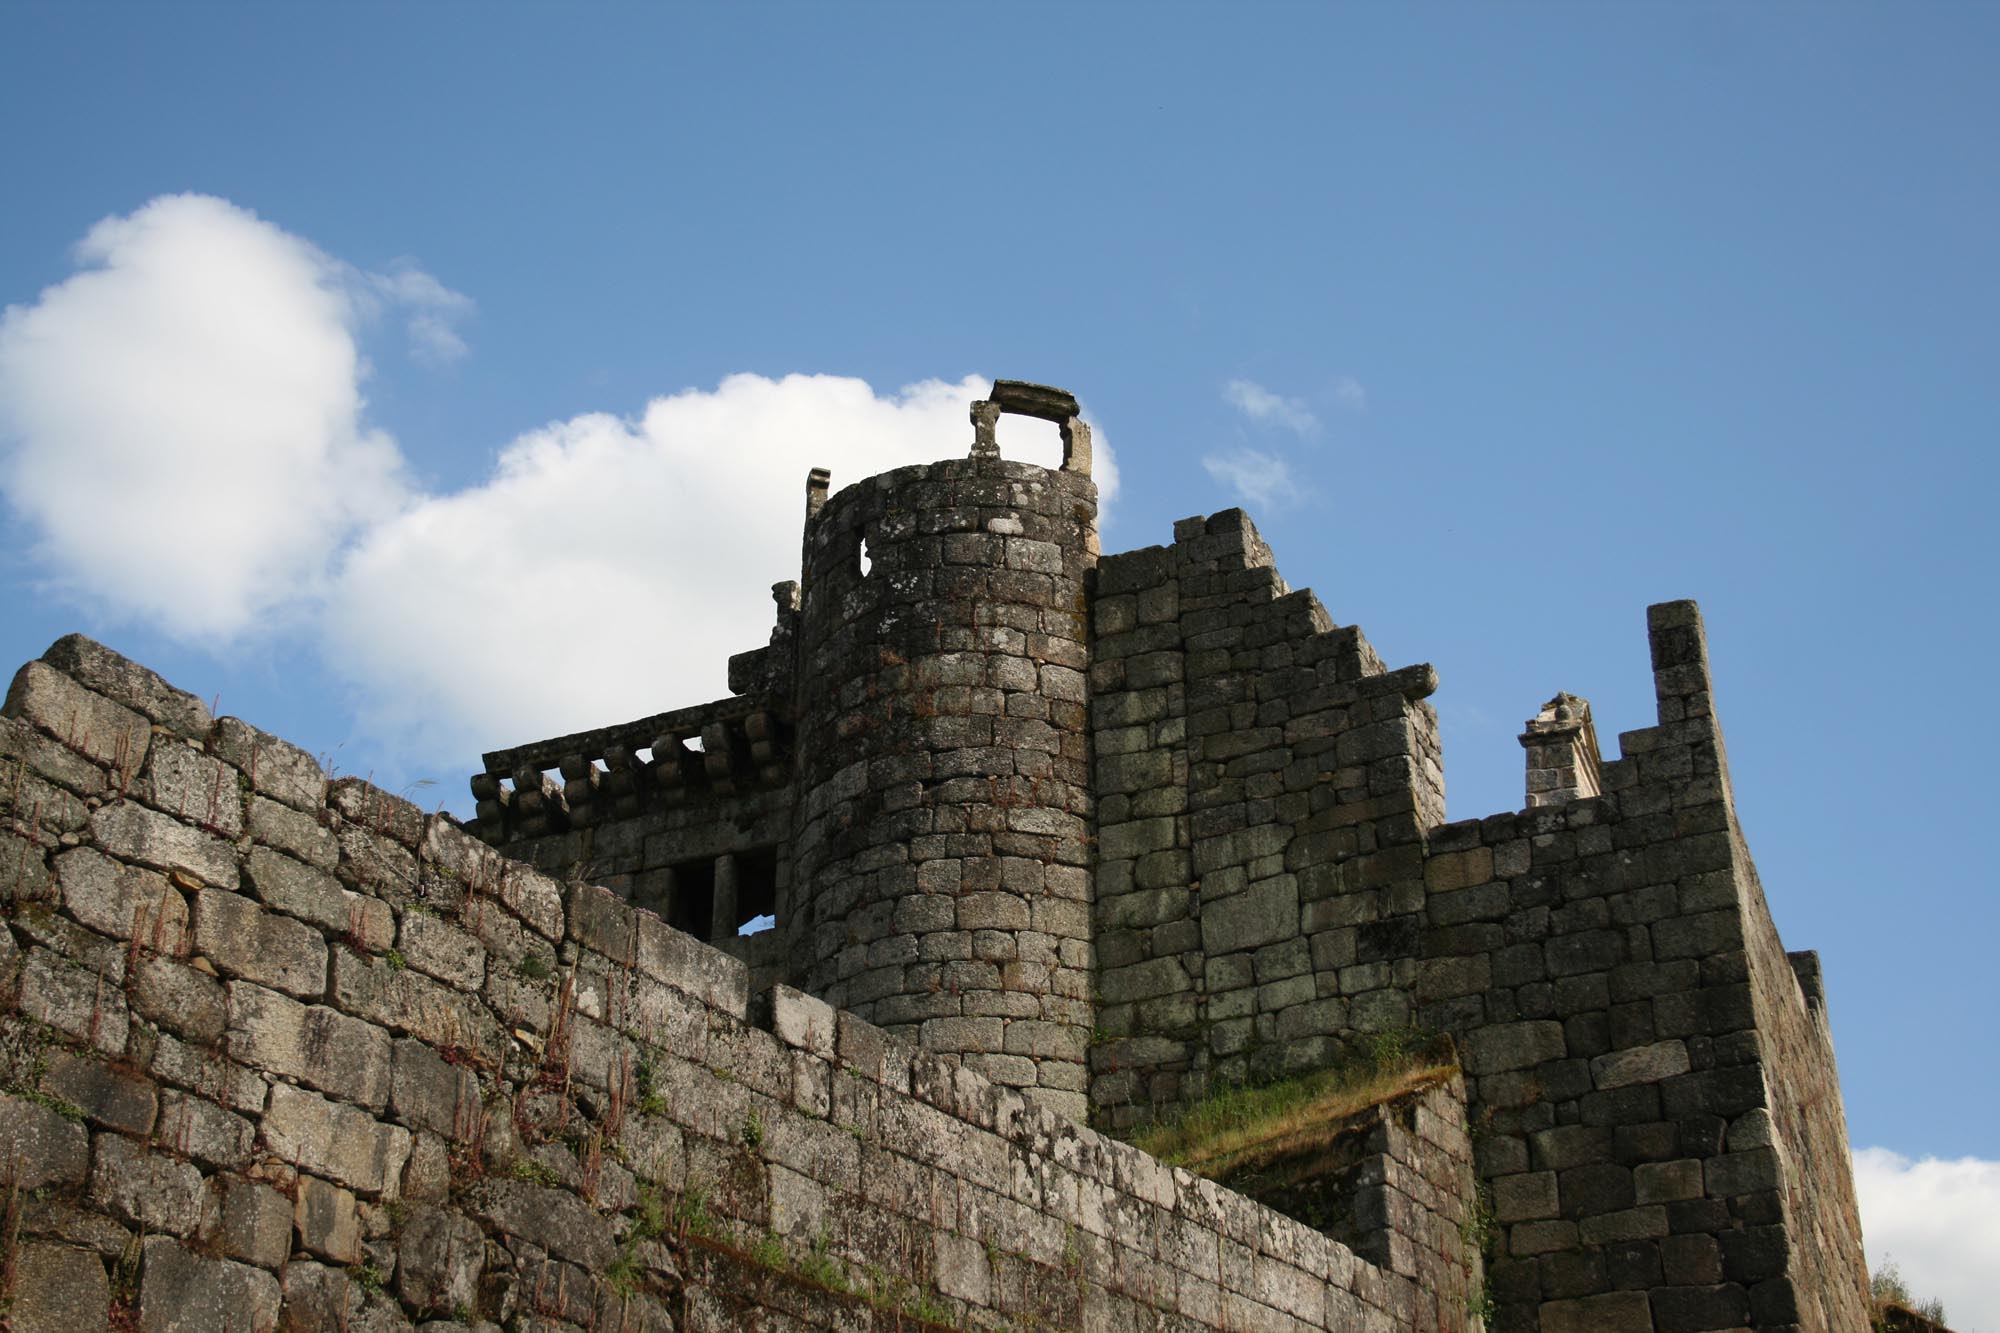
point(1612, 1312)
point(328, 1224)
point(1693, 1309)
point(253, 1222)
point(1640, 1064)
point(1665, 1182)
point(431, 1094)
point(1264, 913)
point(313, 1043)
point(133, 833)
point(410, 1003)
point(688, 965)
point(107, 1096)
point(276, 768)
point(440, 1257)
point(313, 896)
point(121, 901)
point(181, 1292)
point(342, 1143)
point(193, 787)
point(294, 832)
point(48, 1147)
point(244, 940)
point(441, 950)
point(86, 1006)
point(554, 1219)
point(57, 1289)
point(126, 683)
point(203, 1131)
point(145, 1189)
point(802, 1021)
point(1503, 1046)
point(1749, 1172)
point(82, 720)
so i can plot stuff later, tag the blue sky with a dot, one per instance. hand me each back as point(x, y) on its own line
point(1503, 320)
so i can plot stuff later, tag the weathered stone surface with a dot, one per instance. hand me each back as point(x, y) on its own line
point(93, 726)
point(181, 1292)
point(124, 682)
point(1268, 911)
point(49, 1148)
point(245, 941)
point(179, 997)
point(296, 833)
point(328, 1224)
point(431, 1093)
point(58, 1289)
point(276, 768)
point(124, 902)
point(313, 896)
point(82, 1004)
point(442, 1255)
point(330, 1139)
point(409, 1003)
point(440, 950)
point(317, 1045)
point(1641, 1064)
point(203, 1131)
point(105, 1095)
point(1505, 1046)
point(253, 1221)
point(193, 787)
point(550, 1218)
point(145, 1189)
point(133, 833)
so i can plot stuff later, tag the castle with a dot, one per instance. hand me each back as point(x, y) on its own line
point(829, 1004)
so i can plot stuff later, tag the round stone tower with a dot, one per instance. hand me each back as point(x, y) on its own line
point(942, 848)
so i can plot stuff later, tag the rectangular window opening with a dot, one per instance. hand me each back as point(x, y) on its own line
point(756, 891)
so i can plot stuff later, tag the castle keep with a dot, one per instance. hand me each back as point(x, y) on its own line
point(1035, 847)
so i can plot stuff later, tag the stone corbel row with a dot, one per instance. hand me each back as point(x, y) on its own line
point(735, 755)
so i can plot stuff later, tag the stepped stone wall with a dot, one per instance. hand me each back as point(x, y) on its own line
point(283, 1052)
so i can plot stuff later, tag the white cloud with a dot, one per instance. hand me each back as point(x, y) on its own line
point(433, 309)
point(182, 424)
point(1261, 480)
point(1940, 1221)
point(1349, 393)
point(181, 421)
point(608, 567)
point(1261, 405)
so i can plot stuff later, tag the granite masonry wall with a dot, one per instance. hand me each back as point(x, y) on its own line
point(1650, 1075)
point(1118, 831)
point(283, 1052)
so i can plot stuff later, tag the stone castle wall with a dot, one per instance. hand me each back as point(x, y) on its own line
point(278, 1051)
point(1653, 1080)
point(1120, 831)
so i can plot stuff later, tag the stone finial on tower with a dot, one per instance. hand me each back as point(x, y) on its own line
point(1041, 401)
point(817, 481)
point(1563, 760)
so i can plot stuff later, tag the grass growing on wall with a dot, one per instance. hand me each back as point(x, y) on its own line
point(1212, 1135)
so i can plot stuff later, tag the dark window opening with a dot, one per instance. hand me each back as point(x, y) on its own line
point(692, 905)
point(756, 890)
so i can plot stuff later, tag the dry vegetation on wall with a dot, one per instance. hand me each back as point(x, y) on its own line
point(1234, 1126)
